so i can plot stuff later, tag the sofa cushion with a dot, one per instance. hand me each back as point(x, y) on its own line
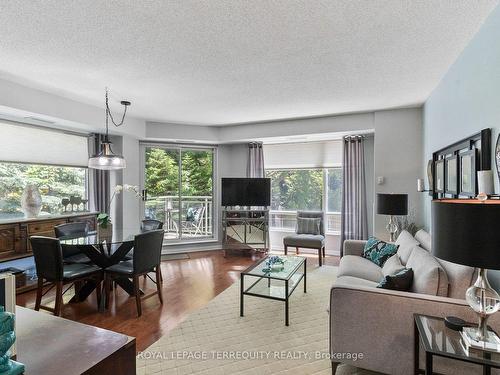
point(429, 277)
point(460, 278)
point(308, 225)
point(424, 239)
point(378, 251)
point(406, 243)
point(352, 265)
point(401, 280)
point(354, 281)
point(314, 241)
point(392, 266)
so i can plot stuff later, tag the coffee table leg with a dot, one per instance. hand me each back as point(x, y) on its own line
point(305, 275)
point(241, 295)
point(286, 303)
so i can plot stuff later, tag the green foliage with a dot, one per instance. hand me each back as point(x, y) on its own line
point(302, 189)
point(162, 172)
point(296, 189)
point(54, 183)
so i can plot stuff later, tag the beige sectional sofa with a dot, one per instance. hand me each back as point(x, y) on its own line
point(379, 322)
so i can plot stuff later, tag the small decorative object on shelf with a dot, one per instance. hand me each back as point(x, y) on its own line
point(65, 203)
point(7, 339)
point(31, 201)
point(274, 264)
point(482, 197)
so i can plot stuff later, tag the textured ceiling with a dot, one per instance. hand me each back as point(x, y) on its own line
point(219, 62)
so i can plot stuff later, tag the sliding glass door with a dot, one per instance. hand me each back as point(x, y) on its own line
point(178, 189)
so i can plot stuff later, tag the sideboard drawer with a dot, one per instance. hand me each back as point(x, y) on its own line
point(43, 227)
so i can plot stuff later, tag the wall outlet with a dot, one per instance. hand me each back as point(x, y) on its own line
point(380, 180)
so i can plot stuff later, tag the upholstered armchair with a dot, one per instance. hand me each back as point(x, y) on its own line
point(309, 233)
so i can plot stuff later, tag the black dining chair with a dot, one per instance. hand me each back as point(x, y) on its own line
point(51, 268)
point(151, 224)
point(146, 259)
point(73, 230)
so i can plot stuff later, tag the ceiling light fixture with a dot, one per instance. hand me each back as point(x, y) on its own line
point(107, 159)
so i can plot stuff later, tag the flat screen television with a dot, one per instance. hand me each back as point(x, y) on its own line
point(246, 192)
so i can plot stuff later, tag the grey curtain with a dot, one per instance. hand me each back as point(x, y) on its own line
point(255, 166)
point(354, 213)
point(99, 180)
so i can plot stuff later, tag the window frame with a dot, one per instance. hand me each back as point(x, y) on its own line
point(324, 203)
point(86, 182)
point(215, 202)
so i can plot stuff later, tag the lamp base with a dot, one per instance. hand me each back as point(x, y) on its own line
point(491, 341)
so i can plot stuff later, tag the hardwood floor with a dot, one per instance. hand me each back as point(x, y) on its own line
point(188, 285)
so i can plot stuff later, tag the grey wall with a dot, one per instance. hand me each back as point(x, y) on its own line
point(398, 155)
point(466, 100)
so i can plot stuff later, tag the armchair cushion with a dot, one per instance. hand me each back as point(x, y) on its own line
point(355, 266)
point(308, 225)
point(312, 241)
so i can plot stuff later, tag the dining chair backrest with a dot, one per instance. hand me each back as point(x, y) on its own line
point(147, 250)
point(76, 229)
point(48, 257)
point(150, 224)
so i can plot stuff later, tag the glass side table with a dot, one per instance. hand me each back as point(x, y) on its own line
point(439, 340)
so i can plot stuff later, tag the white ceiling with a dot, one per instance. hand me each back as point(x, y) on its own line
point(223, 62)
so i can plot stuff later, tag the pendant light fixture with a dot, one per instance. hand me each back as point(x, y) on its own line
point(107, 159)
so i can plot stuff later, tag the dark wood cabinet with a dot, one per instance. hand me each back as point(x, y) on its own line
point(14, 235)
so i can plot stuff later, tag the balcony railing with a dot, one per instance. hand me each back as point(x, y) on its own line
point(191, 217)
point(287, 221)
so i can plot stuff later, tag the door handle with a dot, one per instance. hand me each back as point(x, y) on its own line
point(144, 195)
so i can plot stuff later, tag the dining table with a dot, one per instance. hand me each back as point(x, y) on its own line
point(104, 250)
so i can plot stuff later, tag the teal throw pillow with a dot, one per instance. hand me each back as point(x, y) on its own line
point(379, 251)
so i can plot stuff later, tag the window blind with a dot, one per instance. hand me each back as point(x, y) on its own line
point(30, 144)
point(322, 154)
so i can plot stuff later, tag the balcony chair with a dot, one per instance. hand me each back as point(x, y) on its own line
point(194, 220)
point(151, 224)
point(146, 258)
point(51, 268)
point(73, 230)
point(308, 234)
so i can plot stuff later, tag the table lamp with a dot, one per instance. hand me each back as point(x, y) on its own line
point(392, 204)
point(465, 231)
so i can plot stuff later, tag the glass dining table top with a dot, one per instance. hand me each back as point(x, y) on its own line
point(95, 238)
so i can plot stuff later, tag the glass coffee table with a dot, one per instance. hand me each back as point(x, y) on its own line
point(276, 285)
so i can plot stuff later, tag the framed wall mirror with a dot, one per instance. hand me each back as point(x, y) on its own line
point(468, 173)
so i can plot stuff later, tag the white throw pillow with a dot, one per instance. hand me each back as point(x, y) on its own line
point(392, 266)
point(406, 244)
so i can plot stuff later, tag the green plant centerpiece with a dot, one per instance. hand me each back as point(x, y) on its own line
point(104, 224)
point(7, 338)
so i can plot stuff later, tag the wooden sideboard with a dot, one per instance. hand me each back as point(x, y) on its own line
point(15, 234)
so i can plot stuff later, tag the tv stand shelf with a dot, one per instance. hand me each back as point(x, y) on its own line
point(245, 229)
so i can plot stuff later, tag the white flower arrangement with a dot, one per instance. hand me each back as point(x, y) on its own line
point(103, 218)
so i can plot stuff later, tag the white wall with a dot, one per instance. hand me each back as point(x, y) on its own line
point(466, 101)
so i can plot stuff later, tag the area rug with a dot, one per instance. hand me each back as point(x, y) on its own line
point(215, 340)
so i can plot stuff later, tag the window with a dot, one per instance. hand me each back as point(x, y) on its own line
point(55, 184)
point(305, 189)
point(179, 186)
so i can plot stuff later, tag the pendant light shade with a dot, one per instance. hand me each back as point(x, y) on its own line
point(107, 159)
